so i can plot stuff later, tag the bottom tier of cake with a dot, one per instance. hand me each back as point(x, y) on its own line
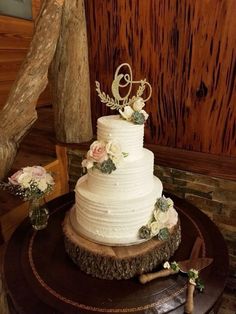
point(112, 220)
point(118, 262)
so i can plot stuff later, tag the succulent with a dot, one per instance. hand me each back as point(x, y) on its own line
point(163, 234)
point(144, 232)
point(138, 117)
point(162, 204)
point(107, 166)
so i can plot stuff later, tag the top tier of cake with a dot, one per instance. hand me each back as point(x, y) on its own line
point(129, 135)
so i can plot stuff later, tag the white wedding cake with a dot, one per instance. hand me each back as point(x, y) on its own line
point(119, 201)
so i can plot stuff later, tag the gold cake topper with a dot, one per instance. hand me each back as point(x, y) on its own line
point(119, 102)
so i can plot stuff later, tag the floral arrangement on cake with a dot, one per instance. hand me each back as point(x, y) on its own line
point(30, 183)
point(130, 109)
point(164, 217)
point(134, 112)
point(104, 156)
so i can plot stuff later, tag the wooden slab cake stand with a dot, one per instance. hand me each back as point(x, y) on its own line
point(118, 262)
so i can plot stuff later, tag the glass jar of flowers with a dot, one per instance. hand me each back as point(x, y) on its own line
point(32, 184)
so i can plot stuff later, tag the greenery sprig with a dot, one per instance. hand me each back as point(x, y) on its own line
point(193, 274)
point(194, 279)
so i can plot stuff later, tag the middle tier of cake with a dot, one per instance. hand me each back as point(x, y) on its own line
point(131, 178)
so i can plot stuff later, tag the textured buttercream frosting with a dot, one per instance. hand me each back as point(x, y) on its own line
point(113, 219)
point(129, 135)
point(131, 178)
point(111, 208)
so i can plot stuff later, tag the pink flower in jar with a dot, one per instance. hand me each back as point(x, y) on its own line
point(38, 172)
point(14, 178)
point(97, 152)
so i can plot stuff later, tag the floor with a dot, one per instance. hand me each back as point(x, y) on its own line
point(38, 147)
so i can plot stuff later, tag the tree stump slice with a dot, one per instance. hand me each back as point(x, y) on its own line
point(118, 262)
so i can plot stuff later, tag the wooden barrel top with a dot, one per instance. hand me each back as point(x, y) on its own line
point(41, 278)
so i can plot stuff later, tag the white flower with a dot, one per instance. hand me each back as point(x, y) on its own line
point(87, 163)
point(138, 104)
point(146, 115)
point(42, 185)
point(24, 179)
point(193, 276)
point(166, 265)
point(49, 179)
point(127, 113)
point(155, 228)
point(113, 148)
point(117, 159)
point(194, 273)
point(160, 216)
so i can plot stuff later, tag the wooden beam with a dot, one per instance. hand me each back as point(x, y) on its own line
point(207, 164)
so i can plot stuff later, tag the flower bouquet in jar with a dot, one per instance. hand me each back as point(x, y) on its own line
point(32, 184)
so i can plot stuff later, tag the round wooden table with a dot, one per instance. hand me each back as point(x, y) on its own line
point(40, 278)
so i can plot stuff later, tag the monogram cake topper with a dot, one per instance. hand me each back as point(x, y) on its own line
point(119, 102)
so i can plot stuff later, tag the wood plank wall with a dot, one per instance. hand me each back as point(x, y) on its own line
point(15, 37)
point(186, 50)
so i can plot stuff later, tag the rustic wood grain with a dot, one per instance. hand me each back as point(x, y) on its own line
point(19, 112)
point(186, 49)
point(15, 37)
point(15, 33)
point(117, 262)
point(70, 77)
point(44, 98)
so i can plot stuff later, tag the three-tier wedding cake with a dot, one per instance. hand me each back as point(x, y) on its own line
point(119, 201)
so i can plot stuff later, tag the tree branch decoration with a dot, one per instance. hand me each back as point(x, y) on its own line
point(119, 102)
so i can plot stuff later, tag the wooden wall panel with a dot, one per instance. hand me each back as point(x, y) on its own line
point(15, 37)
point(186, 50)
point(15, 33)
point(10, 61)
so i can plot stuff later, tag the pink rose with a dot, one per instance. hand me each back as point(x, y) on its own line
point(97, 152)
point(173, 218)
point(38, 172)
point(14, 178)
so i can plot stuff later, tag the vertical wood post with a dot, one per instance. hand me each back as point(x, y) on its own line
point(70, 77)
